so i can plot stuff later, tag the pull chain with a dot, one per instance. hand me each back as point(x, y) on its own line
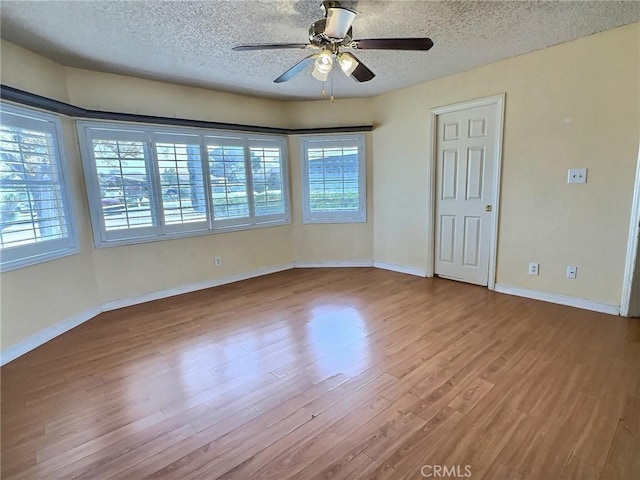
point(332, 99)
point(324, 94)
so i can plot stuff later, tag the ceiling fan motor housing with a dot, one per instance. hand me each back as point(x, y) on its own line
point(318, 38)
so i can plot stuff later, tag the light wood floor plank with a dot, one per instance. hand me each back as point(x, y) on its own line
point(329, 374)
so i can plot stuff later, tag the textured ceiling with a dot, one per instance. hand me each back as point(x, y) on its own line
point(189, 42)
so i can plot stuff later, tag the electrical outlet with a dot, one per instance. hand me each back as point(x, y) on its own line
point(217, 261)
point(534, 268)
point(577, 175)
point(572, 272)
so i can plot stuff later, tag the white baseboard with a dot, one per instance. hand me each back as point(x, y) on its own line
point(192, 287)
point(401, 269)
point(17, 350)
point(42, 337)
point(342, 263)
point(559, 299)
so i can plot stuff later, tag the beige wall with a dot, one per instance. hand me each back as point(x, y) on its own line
point(134, 270)
point(28, 71)
point(97, 276)
point(347, 242)
point(36, 297)
point(119, 93)
point(573, 105)
point(130, 271)
point(43, 295)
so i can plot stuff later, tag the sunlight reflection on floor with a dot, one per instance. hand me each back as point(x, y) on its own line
point(338, 339)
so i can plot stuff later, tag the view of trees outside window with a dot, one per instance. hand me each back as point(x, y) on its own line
point(31, 201)
point(333, 179)
point(125, 187)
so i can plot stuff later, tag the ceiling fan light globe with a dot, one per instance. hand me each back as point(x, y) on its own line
point(320, 75)
point(324, 62)
point(347, 63)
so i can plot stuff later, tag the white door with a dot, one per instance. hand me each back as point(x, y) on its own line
point(466, 161)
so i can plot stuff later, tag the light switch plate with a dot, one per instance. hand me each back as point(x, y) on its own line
point(577, 175)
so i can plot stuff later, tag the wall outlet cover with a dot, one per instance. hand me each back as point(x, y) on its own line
point(577, 175)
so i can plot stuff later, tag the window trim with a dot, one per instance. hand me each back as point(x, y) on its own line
point(35, 253)
point(359, 216)
point(22, 97)
point(213, 226)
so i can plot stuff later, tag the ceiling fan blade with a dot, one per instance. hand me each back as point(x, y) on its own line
point(354, 68)
point(362, 73)
point(339, 20)
point(270, 46)
point(392, 44)
point(296, 69)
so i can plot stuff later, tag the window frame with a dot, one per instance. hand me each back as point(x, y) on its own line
point(155, 133)
point(344, 216)
point(20, 256)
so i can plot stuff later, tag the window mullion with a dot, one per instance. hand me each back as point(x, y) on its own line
point(362, 176)
point(284, 174)
point(155, 202)
point(206, 177)
point(249, 176)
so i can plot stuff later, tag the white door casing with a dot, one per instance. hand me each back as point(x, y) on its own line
point(630, 302)
point(468, 138)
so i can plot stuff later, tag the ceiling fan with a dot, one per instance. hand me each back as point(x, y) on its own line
point(329, 36)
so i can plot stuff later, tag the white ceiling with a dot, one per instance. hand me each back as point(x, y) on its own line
point(189, 42)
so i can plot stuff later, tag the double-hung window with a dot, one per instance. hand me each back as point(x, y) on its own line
point(36, 223)
point(150, 183)
point(334, 179)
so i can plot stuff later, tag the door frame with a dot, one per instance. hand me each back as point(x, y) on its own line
point(499, 101)
point(632, 245)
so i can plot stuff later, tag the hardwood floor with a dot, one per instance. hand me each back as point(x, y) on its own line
point(330, 373)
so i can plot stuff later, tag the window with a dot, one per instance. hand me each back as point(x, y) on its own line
point(333, 179)
point(266, 171)
point(229, 180)
point(35, 212)
point(181, 181)
point(150, 183)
